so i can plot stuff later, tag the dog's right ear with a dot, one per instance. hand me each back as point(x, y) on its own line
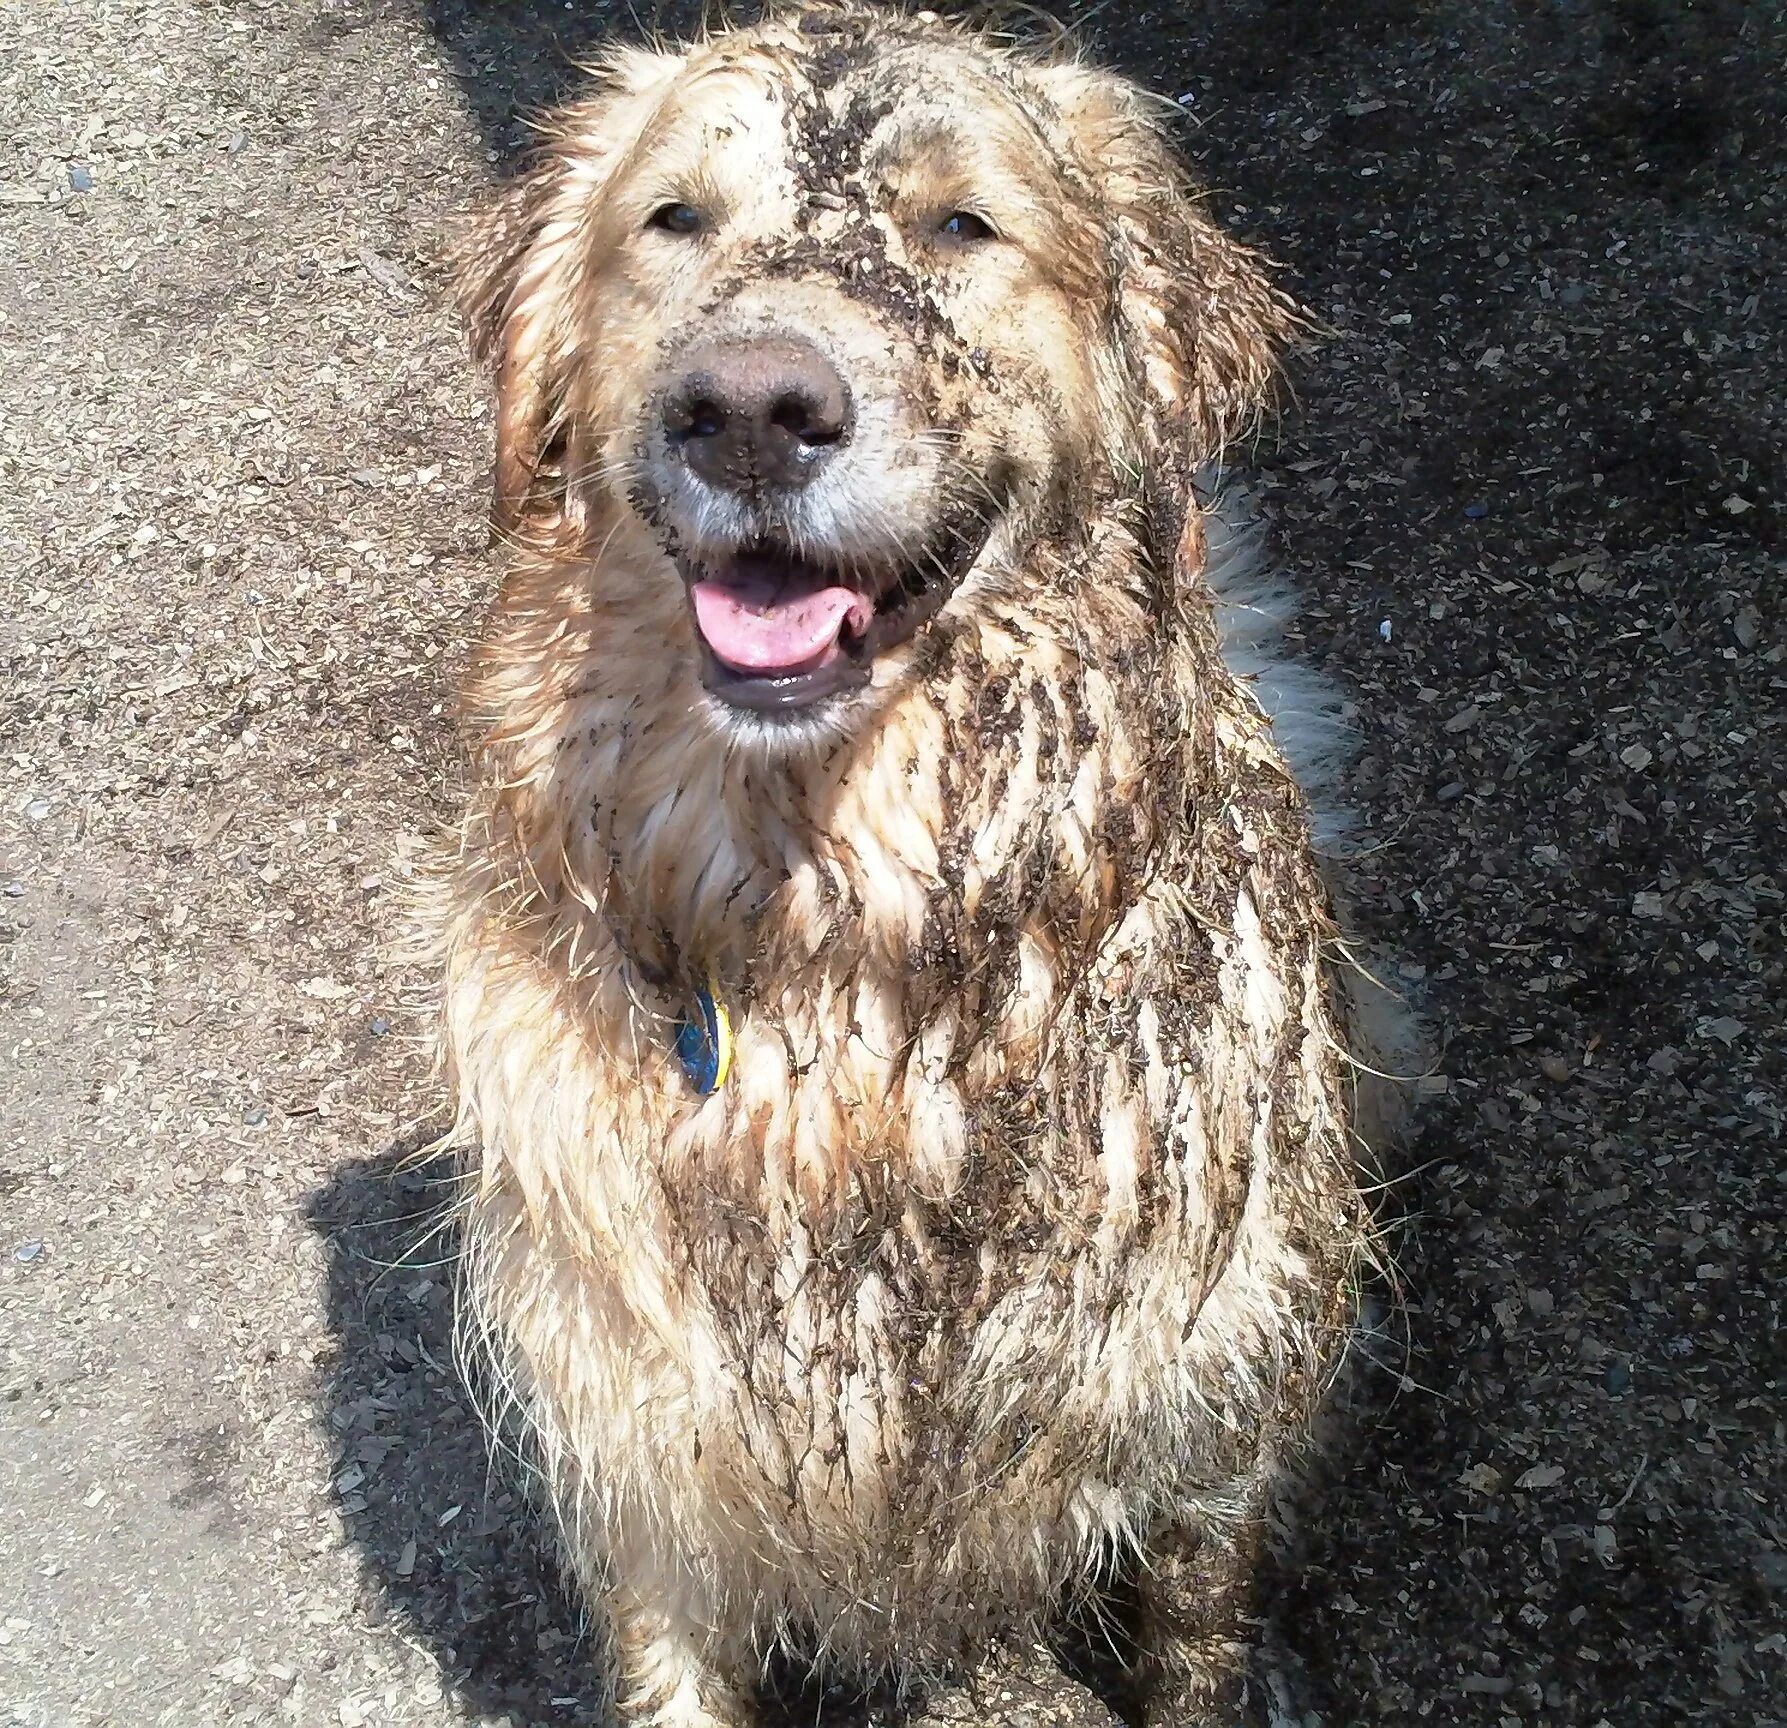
point(518, 272)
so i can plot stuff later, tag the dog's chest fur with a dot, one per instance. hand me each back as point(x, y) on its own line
point(1026, 1198)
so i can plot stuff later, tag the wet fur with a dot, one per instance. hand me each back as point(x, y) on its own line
point(1020, 1241)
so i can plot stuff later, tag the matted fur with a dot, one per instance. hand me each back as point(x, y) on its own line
point(1019, 1241)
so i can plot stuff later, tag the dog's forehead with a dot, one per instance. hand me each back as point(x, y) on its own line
point(829, 104)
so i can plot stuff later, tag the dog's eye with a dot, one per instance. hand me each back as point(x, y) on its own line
point(965, 225)
point(676, 219)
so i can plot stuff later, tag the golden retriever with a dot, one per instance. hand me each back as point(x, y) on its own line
point(887, 972)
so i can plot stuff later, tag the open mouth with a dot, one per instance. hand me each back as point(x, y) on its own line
point(781, 631)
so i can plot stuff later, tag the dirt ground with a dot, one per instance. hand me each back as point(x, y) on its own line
point(1534, 484)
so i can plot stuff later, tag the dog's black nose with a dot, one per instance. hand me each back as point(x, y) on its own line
point(767, 413)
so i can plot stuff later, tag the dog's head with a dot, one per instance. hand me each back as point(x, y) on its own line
point(807, 333)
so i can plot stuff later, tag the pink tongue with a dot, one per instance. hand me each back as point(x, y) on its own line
point(755, 632)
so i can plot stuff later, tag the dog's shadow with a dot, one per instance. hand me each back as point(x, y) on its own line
point(453, 1552)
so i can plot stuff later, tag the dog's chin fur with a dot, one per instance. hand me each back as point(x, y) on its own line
point(1018, 1242)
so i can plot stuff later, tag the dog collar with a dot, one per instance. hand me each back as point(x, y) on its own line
point(704, 1043)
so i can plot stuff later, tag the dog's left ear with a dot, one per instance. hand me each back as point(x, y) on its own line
point(1195, 310)
point(519, 272)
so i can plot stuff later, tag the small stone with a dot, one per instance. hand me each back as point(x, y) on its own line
point(14, 890)
point(1554, 1068)
point(1486, 1685)
point(1476, 512)
point(80, 179)
point(255, 1116)
point(380, 1026)
point(38, 809)
point(29, 1253)
point(1618, 1378)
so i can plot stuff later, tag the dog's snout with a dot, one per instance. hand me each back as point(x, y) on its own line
point(750, 415)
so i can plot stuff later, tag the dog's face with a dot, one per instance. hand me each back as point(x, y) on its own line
point(816, 331)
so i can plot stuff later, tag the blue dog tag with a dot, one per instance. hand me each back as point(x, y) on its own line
point(704, 1044)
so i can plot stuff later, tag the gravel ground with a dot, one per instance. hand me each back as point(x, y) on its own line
point(1534, 484)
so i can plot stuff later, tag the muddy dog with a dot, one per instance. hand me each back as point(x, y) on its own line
point(889, 987)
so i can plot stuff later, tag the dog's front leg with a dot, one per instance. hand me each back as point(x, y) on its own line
point(675, 1669)
point(1194, 1653)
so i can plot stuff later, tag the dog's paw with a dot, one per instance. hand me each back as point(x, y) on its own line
point(690, 1712)
point(1026, 1690)
point(692, 1698)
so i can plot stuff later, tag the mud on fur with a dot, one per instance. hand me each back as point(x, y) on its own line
point(857, 661)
